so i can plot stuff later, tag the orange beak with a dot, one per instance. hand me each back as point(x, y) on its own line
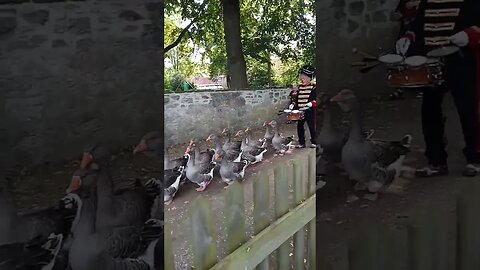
point(224, 132)
point(209, 138)
point(141, 147)
point(238, 133)
point(336, 98)
point(187, 151)
point(87, 159)
point(265, 123)
point(75, 184)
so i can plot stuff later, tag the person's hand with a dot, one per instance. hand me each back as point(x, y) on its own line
point(291, 106)
point(412, 4)
point(309, 104)
point(402, 45)
point(460, 39)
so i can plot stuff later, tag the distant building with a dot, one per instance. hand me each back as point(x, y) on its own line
point(204, 83)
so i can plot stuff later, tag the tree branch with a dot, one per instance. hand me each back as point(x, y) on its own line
point(185, 30)
point(179, 38)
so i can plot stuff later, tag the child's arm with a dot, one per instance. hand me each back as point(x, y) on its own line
point(312, 99)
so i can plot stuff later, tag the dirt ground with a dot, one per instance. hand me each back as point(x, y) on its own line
point(41, 186)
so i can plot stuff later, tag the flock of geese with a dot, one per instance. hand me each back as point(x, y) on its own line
point(373, 164)
point(232, 157)
point(100, 226)
point(95, 226)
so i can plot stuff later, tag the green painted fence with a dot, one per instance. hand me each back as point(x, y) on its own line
point(293, 222)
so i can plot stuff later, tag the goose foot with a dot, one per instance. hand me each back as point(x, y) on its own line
point(352, 198)
point(371, 196)
point(360, 187)
point(202, 187)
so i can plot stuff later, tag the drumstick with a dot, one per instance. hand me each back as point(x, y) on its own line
point(366, 55)
point(358, 64)
point(367, 69)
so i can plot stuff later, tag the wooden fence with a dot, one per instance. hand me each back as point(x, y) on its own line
point(270, 246)
point(434, 239)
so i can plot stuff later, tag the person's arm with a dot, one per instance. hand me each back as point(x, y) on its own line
point(313, 97)
point(416, 26)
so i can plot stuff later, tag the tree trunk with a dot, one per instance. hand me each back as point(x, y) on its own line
point(237, 66)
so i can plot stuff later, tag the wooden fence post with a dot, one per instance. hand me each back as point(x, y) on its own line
point(203, 234)
point(468, 227)
point(371, 249)
point(261, 210)
point(428, 240)
point(282, 174)
point(235, 216)
point(300, 184)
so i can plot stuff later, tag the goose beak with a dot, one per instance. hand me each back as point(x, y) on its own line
point(87, 159)
point(336, 98)
point(209, 139)
point(141, 147)
point(224, 131)
point(187, 151)
point(238, 133)
point(75, 184)
point(265, 123)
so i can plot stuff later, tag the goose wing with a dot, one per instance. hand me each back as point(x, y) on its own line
point(132, 241)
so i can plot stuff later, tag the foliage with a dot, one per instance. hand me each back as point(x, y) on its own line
point(270, 28)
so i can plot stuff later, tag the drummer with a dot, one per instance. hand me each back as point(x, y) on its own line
point(406, 11)
point(446, 23)
point(304, 96)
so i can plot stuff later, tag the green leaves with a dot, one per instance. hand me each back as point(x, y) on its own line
point(271, 28)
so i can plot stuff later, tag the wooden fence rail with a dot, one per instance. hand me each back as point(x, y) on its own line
point(294, 216)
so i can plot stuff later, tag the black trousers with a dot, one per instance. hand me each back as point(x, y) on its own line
point(310, 119)
point(460, 80)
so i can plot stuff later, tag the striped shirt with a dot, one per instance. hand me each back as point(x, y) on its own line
point(437, 20)
point(305, 94)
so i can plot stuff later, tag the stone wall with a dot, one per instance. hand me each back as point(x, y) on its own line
point(368, 25)
point(198, 114)
point(77, 72)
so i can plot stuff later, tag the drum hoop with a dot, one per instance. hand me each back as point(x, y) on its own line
point(433, 53)
point(391, 62)
point(423, 58)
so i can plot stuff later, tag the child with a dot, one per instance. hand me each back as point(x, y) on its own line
point(304, 96)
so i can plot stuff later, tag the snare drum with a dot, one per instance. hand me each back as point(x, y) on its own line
point(295, 115)
point(416, 71)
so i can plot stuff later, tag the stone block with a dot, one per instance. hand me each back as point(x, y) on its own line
point(59, 43)
point(130, 15)
point(37, 40)
point(84, 44)
point(130, 28)
point(379, 17)
point(7, 25)
point(352, 26)
point(10, 11)
point(357, 8)
point(79, 26)
point(37, 17)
